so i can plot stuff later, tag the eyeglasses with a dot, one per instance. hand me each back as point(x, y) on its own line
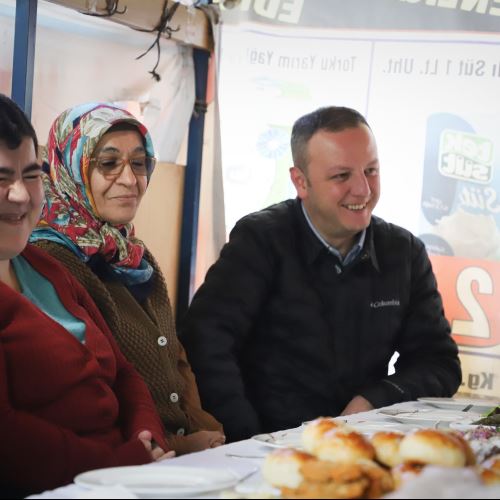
point(112, 165)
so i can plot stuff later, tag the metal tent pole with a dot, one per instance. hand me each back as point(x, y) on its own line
point(24, 54)
point(192, 181)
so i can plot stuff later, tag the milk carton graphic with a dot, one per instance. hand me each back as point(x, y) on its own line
point(465, 156)
point(460, 210)
point(438, 193)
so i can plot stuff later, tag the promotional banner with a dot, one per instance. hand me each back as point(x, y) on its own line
point(431, 100)
point(460, 220)
point(462, 15)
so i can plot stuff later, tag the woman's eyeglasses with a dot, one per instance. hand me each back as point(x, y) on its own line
point(112, 165)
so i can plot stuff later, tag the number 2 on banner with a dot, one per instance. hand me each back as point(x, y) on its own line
point(471, 295)
point(478, 325)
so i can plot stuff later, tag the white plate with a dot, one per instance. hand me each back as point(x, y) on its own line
point(459, 403)
point(281, 439)
point(369, 428)
point(431, 416)
point(160, 481)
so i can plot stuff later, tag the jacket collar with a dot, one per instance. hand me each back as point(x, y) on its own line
point(369, 251)
point(312, 248)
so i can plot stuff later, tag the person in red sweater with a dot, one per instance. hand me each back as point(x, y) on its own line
point(69, 401)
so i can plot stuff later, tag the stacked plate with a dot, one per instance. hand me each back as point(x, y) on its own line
point(160, 481)
point(477, 405)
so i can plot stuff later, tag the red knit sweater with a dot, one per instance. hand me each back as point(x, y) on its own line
point(65, 407)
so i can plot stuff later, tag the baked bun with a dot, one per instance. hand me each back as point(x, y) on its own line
point(489, 471)
point(344, 445)
point(492, 463)
point(282, 468)
point(381, 480)
point(489, 477)
point(405, 471)
point(430, 446)
point(301, 475)
point(314, 431)
point(470, 457)
point(328, 480)
point(386, 446)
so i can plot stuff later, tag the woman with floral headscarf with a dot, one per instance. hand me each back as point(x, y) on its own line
point(100, 161)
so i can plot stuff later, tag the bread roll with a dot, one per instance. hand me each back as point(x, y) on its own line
point(470, 458)
point(430, 446)
point(355, 489)
point(282, 467)
point(381, 479)
point(314, 431)
point(492, 463)
point(405, 471)
point(342, 445)
point(301, 475)
point(386, 446)
point(489, 477)
point(489, 471)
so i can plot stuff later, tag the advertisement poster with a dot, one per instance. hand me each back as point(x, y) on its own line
point(431, 98)
point(460, 221)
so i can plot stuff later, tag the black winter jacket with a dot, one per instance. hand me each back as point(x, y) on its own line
point(281, 333)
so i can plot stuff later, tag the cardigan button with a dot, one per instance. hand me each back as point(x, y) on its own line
point(181, 431)
point(174, 397)
point(162, 341)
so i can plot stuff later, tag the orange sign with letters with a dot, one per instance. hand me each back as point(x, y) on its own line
point(471, 294)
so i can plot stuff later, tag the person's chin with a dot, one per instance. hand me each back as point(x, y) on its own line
point(18, 231)
point(358, 221)
point(12, 249)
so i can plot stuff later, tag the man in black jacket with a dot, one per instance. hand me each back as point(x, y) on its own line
point(311, 297)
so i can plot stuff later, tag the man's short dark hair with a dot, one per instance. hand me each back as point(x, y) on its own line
point(331, 118)
point(14, 124)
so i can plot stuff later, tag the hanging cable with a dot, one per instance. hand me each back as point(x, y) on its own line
point(111, 9)
point(161, 28)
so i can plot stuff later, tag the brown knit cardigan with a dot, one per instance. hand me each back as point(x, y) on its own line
point(141, 331)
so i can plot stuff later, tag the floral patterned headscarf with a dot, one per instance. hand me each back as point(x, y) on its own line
point(69, 217)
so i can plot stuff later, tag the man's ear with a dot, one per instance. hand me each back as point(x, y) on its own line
point(299, 181)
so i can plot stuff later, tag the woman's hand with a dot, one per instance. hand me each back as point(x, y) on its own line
point(215, 438)
point(199, 441)
point(157, 453)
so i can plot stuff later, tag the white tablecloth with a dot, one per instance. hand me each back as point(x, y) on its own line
point(243, 458)
point(216, 458)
